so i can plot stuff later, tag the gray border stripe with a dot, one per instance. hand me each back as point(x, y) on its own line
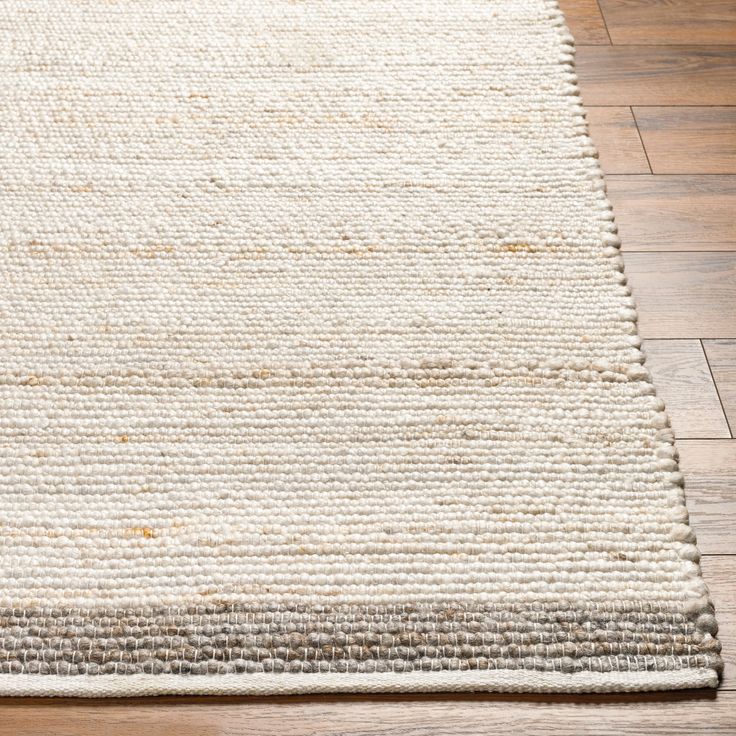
point(229, 639)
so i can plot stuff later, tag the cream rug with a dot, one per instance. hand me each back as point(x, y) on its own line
point(319, 368)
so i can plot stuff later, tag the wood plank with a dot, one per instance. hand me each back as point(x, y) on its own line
point(616, 137)
point(683, 380)
point(709, 467)
point(719, 573)
point(657, 75)
point(669, 213)
point(585, 21)
point(670, 21)
point(684, 294)
point(689, 140)
point(722, 358)
point(693, 712)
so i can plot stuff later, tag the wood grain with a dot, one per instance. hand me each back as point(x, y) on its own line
point(695, 713)
point(657, 75)
point(683, 380)
point(585, 21)
point(670, 213)
point(722, 358)
point(616, 137)
point(682, 295)
point(670, 21)
point(689, 140)
point(709, 467)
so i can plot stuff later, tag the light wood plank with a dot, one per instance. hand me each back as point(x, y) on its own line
point(614, 134)
point(670, 213)
point(585, 21)
point(695, 713)
point(722, 358)
point(689, 140)
point(670, 21)
point(683, 380)
point(657, 75)
point(709, 467)
point(684, 294)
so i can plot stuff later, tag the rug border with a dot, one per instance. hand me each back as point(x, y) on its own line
point(498, 681)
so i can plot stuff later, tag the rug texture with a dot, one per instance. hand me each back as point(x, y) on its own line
point(319, 371)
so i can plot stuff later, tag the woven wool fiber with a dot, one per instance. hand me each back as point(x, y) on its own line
point(319, 371)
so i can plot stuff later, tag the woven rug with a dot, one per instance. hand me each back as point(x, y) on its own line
point(319, 367)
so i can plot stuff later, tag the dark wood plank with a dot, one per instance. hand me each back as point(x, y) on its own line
point(657, 75)
point(670, 21)
point(709, 467)
point(722, 358)
point(689, 140)
point(585, 21)
point(614, 134)
point(669, 213)
point(683, 380)
point(695, 713)
point(684, 294)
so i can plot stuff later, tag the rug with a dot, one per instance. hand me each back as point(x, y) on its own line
point(319, 367)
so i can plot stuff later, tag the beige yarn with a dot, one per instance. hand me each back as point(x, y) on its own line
point(316, 308)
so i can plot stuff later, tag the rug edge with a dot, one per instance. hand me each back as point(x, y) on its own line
point(497, 681)
point(683, 533)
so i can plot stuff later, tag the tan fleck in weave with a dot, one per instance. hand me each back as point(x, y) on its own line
point(318, 368)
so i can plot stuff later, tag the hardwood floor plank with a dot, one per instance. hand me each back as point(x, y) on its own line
point(585, 21)
point(709, 467)
point(681, 295)
point(683, 380)
point(722, 358)
point(670, 213)
point(670, 21)
point(657, 75)
point(695, 713)
point(689, 140)
point(614, 134)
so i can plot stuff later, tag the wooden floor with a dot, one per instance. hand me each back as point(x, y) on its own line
point(659, 80)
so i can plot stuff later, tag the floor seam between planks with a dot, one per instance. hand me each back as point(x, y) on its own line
point(641, 140)
point(715, 385)
point(605, 25)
